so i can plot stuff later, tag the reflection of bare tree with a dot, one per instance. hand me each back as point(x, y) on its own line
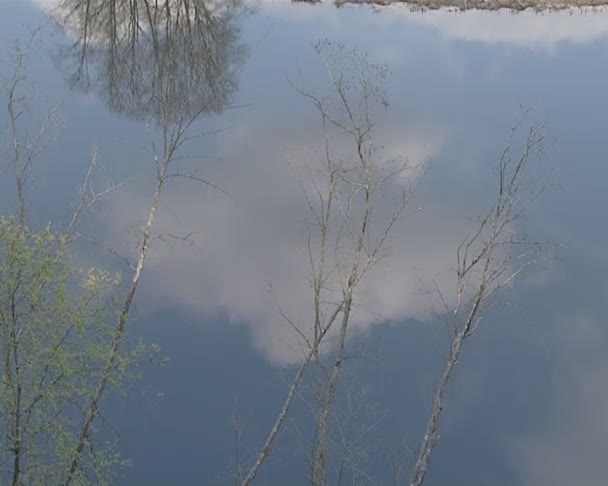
point(147, 56)
point(170, 61)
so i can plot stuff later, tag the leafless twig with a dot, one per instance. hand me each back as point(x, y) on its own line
point(488, 259)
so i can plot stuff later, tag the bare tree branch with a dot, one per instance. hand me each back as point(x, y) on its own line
point(486, 263)
point(342, 205)
point(88, 196)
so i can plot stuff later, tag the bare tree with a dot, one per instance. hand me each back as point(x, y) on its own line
point(489, 258)
point(241, 432)
point(355, 425)
point(346, 237)
point(167, 63)
point(27, 146)
point(150, 59)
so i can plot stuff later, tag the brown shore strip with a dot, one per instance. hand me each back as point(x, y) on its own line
point(517, 5)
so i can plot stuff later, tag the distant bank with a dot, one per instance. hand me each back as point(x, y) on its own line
point(518, 5)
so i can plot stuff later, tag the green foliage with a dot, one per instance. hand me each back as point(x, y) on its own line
point(55, 335)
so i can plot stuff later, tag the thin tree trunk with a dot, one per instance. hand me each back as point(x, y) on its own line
point(291, 394)
point(319, 472)
point(92, 408)
point(16, 162)
point(276, 428)
point(430, 436)
point(17, 449)
point(16, 386)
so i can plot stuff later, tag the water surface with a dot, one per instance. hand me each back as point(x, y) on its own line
point(528, 405)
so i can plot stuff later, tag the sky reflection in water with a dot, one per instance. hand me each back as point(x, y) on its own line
point(530, 398)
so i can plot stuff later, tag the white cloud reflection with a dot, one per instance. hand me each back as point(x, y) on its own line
point(521, 29)
point(246, 248)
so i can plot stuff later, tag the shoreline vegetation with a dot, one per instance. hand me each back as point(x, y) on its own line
point(515, 5)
